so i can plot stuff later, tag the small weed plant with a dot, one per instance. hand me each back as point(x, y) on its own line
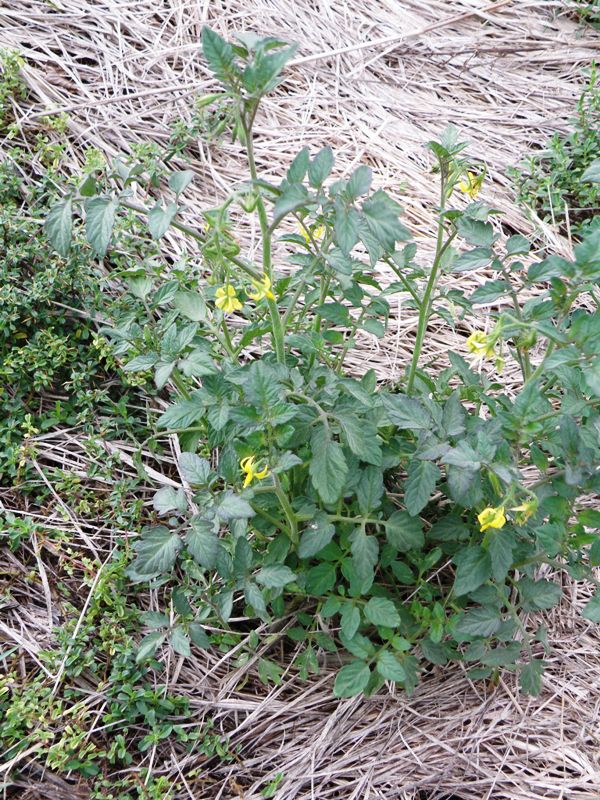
point(398, 526)
point(587, 11)
point(551, 181)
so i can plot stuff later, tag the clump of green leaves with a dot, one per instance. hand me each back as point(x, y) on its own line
point(551, 182)
point(407, 524)
point(11, 86)
point(587, 11)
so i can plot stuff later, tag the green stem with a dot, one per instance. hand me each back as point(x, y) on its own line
point(348, 342)
point(228, 343)
point(179, 384)
point(287, 510)
point(425, 310)
point(277, 329)
point(247, 268)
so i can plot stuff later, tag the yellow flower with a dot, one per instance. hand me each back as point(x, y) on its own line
point(491, 518)
point(525, 510)
point(250, 468)
point(263, 289)
point(481, 344)
point(227, 300)
point(472, 184)
point(316, 234)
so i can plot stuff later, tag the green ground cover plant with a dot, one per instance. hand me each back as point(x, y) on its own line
point(550, 181)
point(57, 372)
point(588, 11)
point(399, 526)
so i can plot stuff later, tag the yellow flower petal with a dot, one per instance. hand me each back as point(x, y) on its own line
point(227, 299)
point(481, 344)
point(263, 289)
point(491, 518)
point(250, 467)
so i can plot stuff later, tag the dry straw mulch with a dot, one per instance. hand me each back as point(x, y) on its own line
point(375, 79)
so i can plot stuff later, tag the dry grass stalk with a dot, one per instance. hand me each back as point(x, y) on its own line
point(375, 80)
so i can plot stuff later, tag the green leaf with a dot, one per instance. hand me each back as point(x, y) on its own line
point(453, 416)
point(292, 198)
point(349, 620)
point(538, 595)
point(254, 598)
point(317, 535)
point(500, 548)
point(298, 167)
point(336, 313)
point(490, 291)
point(328, 467)
point(359, 182)
point(160, 218)
point(199, 636)
point(365, 551)
point(361, 437)
point(592, 377)
point(169, 499)
point(156, 551)
point(346, 228)
point(517, 245)
point(358, 645)
point(374, 326)
point(591, 610)
point(473, 568)
point(320, 579)
point(589, 517)
point(275, 576)
point(473, 259)
point(141, 363)
point(404, 532)
point(181, 415)
point(219, 54)
point(194, 469)
point(149, 645)
point(463, 456)
point(59, 226)
point(420, 484)
point(320, 167)
point(475, 232)
point(154, 619)
point(180, 642)
point(99, 222)
point(202, 542)
point(179, 181)
point(191, 305)
point(389, 667)
point(406, 412)
point(381, 214)
point(592, 173)
point(232, 506)
point(479, 622)
point(530, 679)
point(352, 679)
point(88, 186)
point(369, 490)
point(381, 611)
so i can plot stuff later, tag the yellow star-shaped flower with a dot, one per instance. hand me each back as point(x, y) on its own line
point(316, 234)
point(227, 299)
point(262, 289)
point(252, 471)
point(491, 518)
point(481, 344)
point(525, 511)
point(472, 184)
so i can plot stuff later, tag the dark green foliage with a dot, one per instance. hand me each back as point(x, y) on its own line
point(552, 179)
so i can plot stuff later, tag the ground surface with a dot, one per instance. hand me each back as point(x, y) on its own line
point(375, 80)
